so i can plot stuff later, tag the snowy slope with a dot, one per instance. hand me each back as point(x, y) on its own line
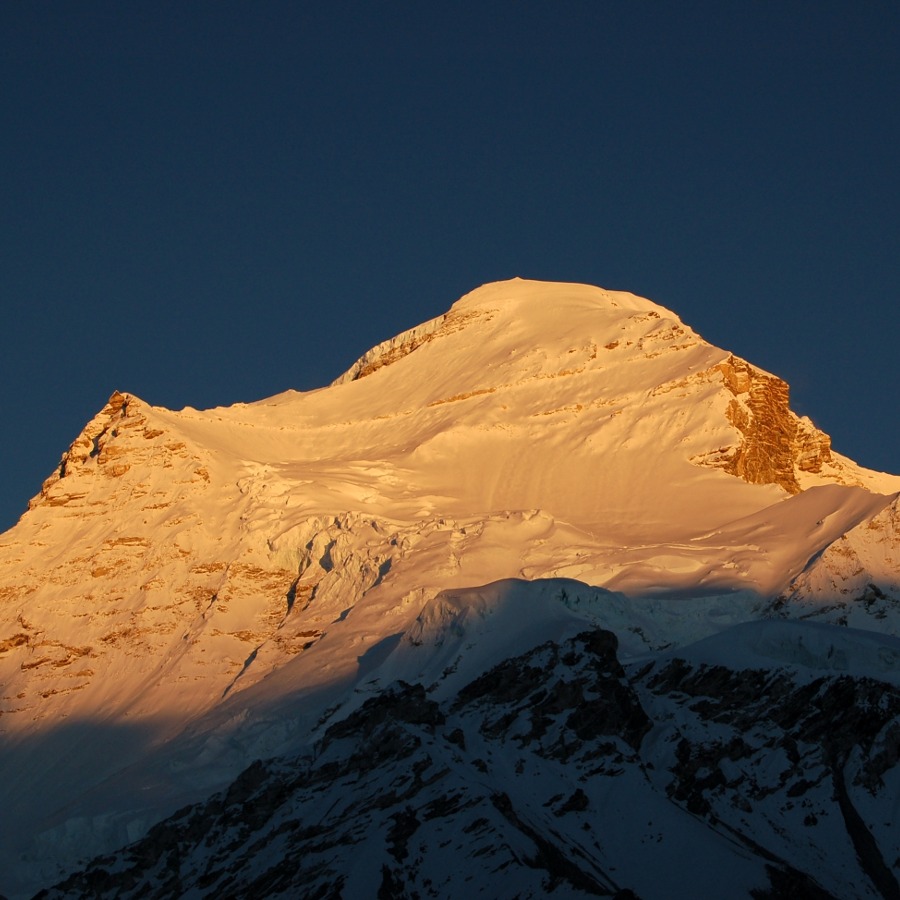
point(709, 773)
point(193, 590)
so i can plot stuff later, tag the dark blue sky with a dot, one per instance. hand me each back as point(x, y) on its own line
point(204, 203)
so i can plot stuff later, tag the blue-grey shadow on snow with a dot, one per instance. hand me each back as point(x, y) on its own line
point(378, 653)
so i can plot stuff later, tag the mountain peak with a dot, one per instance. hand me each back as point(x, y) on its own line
point(539, 457)
point(535, 310)
point(534, 297)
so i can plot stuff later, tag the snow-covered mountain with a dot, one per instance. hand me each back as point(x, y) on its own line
point(547, 592)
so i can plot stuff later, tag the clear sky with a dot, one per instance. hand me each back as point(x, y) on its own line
point(210, 202)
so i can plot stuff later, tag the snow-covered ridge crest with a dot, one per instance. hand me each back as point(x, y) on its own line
point(528, 300)
point(531, 297)
point(391, 350)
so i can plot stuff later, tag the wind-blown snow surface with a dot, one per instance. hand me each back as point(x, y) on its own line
point(195, 590)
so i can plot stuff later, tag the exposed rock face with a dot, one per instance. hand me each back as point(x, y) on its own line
point(89, 447)
point(393, 350)
point(558, 772)
point(776, 443)
point(117, 438)
point(414, 796)
point(812, 448)
point(809, 762)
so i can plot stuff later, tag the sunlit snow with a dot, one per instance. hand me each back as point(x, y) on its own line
point(201, 587)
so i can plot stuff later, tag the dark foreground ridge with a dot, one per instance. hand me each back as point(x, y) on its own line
point(559, 773)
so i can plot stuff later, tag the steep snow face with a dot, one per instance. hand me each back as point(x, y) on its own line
point(855, 580)
point(242, 569)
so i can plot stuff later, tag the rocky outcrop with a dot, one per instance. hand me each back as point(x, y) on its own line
point(775, 443)
point(393, 350)
point(404, 797)
point(557, 772)
point(797, 759)
point(812, 448)
point(96, 450)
